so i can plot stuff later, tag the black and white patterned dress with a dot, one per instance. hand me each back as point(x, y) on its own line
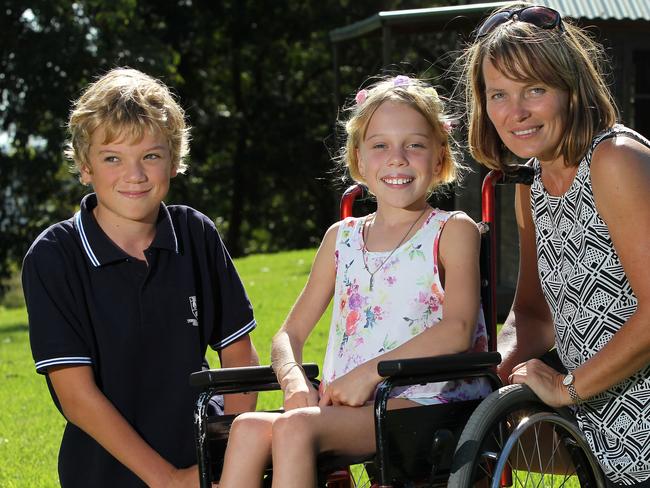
point(590, 299)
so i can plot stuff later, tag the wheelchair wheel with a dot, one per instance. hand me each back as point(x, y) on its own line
point(514, 439)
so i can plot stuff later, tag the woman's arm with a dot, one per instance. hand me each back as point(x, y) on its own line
point(286, 351)
point(620, 175)
point(528, 332)
point(85, 406)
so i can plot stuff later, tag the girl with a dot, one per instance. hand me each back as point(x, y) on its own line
point(535, 86)
point(402, 288)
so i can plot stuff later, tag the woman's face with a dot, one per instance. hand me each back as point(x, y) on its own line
point(530, 118)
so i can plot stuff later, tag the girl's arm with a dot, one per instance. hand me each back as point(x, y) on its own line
point(286, 350)
point(620, 175)
point(459, 256)
point(85, 406)
point(528, 332)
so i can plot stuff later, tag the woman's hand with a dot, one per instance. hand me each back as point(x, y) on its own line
point(543, 380)
point(353, 389)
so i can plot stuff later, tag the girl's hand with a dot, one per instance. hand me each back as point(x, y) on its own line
point(543, 380)
point(299, 393)
point(353, 389)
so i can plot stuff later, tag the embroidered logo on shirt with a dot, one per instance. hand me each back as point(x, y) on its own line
point(195, 321)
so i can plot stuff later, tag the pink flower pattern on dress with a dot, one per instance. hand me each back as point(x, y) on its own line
point(368, 323)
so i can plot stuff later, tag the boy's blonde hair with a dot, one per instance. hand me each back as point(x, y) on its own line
point(565, 58)
point(417, 95)
point(126, 103)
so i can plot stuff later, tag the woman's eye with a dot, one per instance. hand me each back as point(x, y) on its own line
point(152, 156)
point(496, 96)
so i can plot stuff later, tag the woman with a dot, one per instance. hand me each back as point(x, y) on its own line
point(536, 89)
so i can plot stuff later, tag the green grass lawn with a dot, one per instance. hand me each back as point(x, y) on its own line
point(30, 425)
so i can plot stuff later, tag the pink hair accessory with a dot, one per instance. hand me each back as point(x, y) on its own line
point(401, 80)
point(361, 96)
point(448, 126)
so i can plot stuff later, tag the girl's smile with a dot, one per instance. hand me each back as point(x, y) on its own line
point(399, 156)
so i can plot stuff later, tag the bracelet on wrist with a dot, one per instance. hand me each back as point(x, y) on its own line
point(292, 364)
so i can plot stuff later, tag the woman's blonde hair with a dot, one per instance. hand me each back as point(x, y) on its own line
point(565, 58)
point(417, 95)
point(126, 103)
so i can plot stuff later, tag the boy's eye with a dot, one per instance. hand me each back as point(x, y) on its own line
point(538, 90)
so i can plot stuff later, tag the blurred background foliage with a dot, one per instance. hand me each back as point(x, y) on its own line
point(255, 78)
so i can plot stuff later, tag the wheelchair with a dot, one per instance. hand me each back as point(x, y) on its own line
point(510, 438)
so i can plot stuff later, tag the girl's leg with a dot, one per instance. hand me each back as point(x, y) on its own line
point(249, 450)
point(300, 435)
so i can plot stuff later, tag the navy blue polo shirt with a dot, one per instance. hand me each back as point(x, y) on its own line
point(143, 329)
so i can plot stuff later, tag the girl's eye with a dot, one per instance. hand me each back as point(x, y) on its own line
point(379, 145)
point(111, 159)
point(416, 145)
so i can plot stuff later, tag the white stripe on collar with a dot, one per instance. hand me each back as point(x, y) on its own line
point(84, 240)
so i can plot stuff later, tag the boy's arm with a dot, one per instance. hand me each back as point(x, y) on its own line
point(239, 353)
point(85, 406)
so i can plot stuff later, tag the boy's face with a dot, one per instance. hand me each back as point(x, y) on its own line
point(130, 178)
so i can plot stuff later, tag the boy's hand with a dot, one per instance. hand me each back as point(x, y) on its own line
point(353, 389)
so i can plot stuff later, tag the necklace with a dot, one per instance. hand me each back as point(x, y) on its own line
point(364, 249)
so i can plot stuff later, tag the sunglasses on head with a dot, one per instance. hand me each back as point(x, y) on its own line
point(542, 17)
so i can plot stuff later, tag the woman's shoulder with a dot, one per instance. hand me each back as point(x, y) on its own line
point(623, 156)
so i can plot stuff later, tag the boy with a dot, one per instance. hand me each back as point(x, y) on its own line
point(124, 297)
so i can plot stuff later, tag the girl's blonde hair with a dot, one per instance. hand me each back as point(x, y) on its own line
point(565, 58)
point(417, 95)
point(126, 103)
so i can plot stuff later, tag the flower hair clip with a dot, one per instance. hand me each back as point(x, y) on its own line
point(449, 125)
point(361, 96)
point(401, 80)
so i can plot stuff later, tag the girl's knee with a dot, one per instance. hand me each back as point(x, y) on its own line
point(251, 424)
point(295, 427)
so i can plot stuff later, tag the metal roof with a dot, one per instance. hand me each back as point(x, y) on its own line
point(577, 9)
point(601, 9)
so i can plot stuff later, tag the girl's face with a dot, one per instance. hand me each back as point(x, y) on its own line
point(530, 118)
point(399, 156)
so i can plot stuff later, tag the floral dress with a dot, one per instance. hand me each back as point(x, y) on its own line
point(407, 298)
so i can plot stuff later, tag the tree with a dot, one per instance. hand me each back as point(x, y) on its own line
point(255, 79)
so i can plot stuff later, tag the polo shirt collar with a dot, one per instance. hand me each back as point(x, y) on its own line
point(100, 250)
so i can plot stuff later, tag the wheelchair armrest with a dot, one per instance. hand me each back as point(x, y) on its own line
point(447, 363)
point(244, 376)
